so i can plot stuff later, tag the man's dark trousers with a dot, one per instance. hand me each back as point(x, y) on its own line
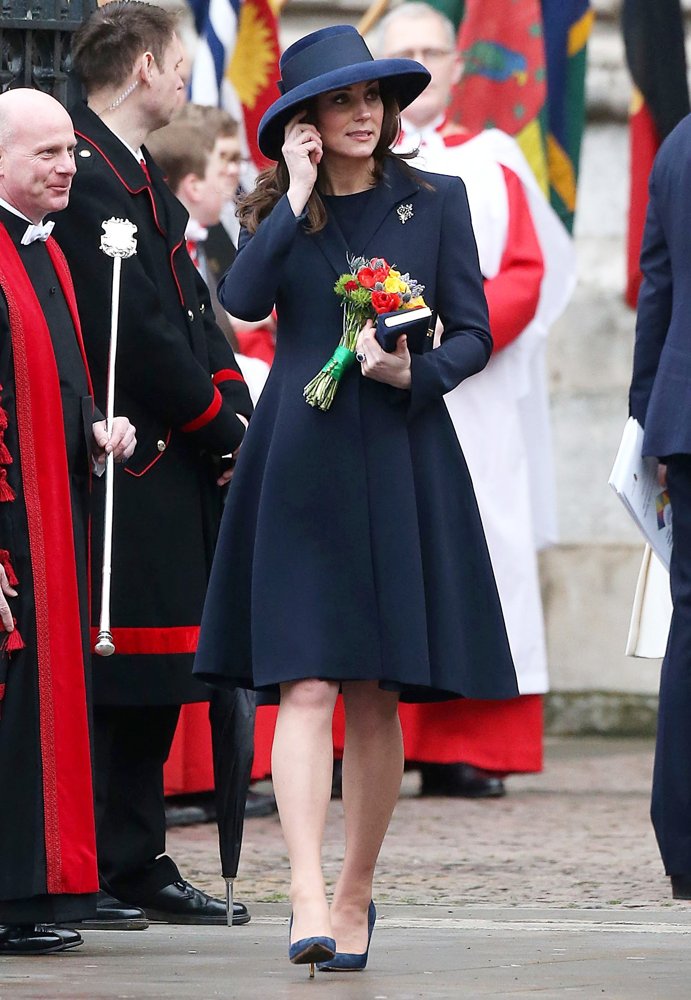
point(671, 798)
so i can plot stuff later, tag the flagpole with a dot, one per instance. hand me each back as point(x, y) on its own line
point(372, 15)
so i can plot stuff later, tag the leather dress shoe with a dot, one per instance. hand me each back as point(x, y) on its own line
point(259, 804)
point(182, 903)
point(28, 939)
point(70, 939)
point(460, 781)
point(113, 915)
point(681, 886)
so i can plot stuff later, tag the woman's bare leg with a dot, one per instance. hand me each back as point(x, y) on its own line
point(372, 772)
point(302, 765)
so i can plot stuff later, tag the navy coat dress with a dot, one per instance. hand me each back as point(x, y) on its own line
point(351, 546)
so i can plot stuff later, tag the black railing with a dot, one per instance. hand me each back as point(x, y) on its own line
point(35, 43)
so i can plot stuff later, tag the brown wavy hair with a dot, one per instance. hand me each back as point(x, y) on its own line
point(273, 183)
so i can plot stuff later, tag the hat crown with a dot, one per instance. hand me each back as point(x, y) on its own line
point(321, 52)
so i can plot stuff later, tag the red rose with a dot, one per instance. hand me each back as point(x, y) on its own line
point(384, 302)
point(366, 277)
point(351, 286)
point(381, 274)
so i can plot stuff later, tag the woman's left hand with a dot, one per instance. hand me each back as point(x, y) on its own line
point(392, 368)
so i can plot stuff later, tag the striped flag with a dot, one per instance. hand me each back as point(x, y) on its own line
point(236, 62)
point(567, 26)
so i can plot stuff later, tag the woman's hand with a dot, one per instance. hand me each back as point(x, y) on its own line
point(392, 368)
point(302, 151)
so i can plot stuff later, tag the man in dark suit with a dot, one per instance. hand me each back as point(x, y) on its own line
point(178, 375)
point(660, 399)
point(49, 432)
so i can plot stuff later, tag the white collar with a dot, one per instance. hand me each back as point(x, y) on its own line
point(14, 211)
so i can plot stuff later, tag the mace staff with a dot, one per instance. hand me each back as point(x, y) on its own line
point(119, 243)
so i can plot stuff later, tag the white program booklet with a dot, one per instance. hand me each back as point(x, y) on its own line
point(634, 480)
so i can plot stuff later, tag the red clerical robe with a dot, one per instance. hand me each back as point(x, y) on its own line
point(48, 867)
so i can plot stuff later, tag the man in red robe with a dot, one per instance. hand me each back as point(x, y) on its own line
point(49, 436)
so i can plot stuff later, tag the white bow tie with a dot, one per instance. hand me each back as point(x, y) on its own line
point(40, 232)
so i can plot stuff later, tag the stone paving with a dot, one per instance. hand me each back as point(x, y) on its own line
point(577, 835)
point(555, 891)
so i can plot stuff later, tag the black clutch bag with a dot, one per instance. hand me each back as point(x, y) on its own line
point(417, 324)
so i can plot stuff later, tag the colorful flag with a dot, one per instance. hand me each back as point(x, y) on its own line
point(654, 42)
point(567, 25)
point(524, 72)
point(236, 62)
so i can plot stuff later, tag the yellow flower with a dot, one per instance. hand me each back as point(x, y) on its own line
point(415, 303)
point(394, 284)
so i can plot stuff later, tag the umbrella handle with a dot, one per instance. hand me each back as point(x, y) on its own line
point(229, 901)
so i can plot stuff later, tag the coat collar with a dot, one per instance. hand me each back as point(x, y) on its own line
point(169, 214)
point(395, 186)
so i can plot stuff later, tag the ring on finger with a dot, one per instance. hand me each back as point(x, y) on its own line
point(360, 357)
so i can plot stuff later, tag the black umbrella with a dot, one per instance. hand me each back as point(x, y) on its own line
point(231, 714)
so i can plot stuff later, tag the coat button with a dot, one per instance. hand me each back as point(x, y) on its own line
point(202, 308)
point(190, 314)
point(161, 445)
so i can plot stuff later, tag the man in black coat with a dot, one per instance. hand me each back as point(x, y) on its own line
point(49, 433)
point(660, 399)
point(179, 378)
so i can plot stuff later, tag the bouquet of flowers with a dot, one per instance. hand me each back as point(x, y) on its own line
point(368, 288)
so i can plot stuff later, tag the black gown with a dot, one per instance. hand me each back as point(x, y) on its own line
point(23, 874)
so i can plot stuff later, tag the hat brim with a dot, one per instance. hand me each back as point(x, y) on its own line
point(405, 77)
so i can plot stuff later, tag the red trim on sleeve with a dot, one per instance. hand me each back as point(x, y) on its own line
point(225, 374)
point(207, 416)
point(514, 293)
point(153, 641)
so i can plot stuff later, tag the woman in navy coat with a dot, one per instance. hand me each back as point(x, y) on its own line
point(351, 555)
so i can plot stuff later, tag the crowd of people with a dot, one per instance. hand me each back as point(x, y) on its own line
point(355, 562)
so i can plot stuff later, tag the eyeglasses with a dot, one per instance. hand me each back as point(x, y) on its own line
point(424, 56)
point(236, 158)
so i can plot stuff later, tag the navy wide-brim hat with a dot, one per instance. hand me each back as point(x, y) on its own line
point(326, 60)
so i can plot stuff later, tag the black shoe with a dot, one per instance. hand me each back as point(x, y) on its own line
point(681, 886)
point(258, 804)
point(182, 903)
point(460, 781)
point(113, 915)
point(27, 939)
point(337, 780)
point(188, 810)
point(70, 939)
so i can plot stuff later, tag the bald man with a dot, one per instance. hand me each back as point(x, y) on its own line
point(50, 439)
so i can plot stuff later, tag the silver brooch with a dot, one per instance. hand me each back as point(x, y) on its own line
point(404, 213)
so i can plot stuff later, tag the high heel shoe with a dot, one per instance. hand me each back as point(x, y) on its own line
point(310, 950)
point(345, 961)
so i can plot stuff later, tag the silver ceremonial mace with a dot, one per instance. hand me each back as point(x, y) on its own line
point(117, 242)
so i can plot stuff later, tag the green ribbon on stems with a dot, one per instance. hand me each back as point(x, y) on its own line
point(321, 390)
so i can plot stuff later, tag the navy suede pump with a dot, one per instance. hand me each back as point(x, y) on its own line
point(310, 950)
point(345, 961)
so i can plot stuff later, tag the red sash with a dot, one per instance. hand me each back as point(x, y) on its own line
point(70, 841)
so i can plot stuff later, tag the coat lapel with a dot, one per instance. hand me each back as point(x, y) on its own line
point(395, 187)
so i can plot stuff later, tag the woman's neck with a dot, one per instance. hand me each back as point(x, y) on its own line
point(345, 175)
